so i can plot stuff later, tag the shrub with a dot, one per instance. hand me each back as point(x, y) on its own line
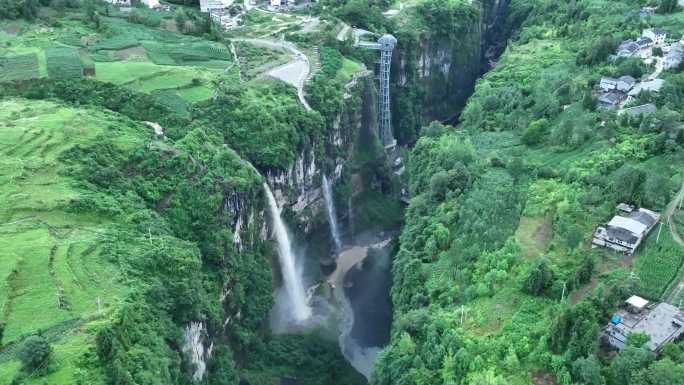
point(35, 354)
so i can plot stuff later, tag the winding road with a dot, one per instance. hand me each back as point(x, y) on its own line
point(294, 73)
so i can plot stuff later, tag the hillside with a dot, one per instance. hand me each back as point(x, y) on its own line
point(495, 280)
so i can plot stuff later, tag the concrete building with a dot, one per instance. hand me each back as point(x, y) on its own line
point(658, 35)
point(625, 233)
point(663, 323)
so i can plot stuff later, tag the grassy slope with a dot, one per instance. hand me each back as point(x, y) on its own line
point(50, 253)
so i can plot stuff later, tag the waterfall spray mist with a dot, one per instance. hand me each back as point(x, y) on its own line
point(292, 278)
point(332, 214)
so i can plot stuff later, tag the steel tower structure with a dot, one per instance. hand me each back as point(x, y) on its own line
point(385, 45)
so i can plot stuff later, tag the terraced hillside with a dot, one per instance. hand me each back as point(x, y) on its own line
point(53, 275)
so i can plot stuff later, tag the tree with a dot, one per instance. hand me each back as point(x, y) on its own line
point(667, 6)
point(538, 278)
point(587, 371)
point(2, 331)
point(534, 133)
point(589, 101)
point(628, 364)
point(657, 51)
point(35, 354)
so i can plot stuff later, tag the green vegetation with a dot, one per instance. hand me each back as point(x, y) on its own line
point(19, 67)
point(63, 63)
point(495, 281)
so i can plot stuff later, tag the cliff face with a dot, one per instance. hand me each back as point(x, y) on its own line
point(299, 187)
point(435, 67)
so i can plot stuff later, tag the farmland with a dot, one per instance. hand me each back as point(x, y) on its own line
point(52, 273)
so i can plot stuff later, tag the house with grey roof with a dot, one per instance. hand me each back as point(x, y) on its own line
point(649, 86)
point(627, 48)
point(647, 108)
point(662, 323)
point(625, 233)
point(625, 83)
point(610, 99)
point(644, 42)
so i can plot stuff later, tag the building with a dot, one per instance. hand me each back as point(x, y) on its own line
point(625, 233)
point(610, 99)
point(121, 3)
point(647, 108)
point(658, 35)
point(644, 42)
point(223, 19)
point(663, 323)
point(649, 86)
point(208, 5)
point(150, 3)
point(608, 84)
point(625, 83)
point(627, 48)
point(674, 56)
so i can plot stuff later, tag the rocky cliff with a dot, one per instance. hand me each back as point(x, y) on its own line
point(436, 64)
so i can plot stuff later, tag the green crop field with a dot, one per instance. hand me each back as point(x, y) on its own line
point(52, 272)
point(64, 63)
point(657, 263)
point(19, 67)
point(188, 53)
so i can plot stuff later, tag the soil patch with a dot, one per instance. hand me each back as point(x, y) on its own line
point(12, 29)
point(126, 53)
point(541, 377)
point(169, 25)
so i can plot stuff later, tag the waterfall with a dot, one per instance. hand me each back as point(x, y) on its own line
point(292, 278)
point(332, 214)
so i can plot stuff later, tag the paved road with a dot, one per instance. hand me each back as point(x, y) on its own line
point(294, 72)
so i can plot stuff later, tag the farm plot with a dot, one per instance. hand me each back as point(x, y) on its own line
point(53, 270)
point(19, 67)
point(195, 53)
point(64, 63)
point(657, 264)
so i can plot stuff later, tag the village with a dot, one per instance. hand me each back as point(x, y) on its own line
point(655, 50)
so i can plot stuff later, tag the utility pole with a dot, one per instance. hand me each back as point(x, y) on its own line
point(659, 230)
point(563, 292)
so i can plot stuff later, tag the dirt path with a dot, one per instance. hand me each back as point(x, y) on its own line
point(671, 208)
point(669, 211)
point(294, 72)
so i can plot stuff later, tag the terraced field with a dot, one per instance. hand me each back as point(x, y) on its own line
point(53, 276)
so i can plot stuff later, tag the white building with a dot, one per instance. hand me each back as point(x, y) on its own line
point(608, 84)
point(624, 234)
point(122, 3)
point(150, 3)
point(208, 5)
point(658, 35)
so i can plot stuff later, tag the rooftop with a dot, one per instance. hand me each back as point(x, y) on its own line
point(642, 109)
point(662, 324)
